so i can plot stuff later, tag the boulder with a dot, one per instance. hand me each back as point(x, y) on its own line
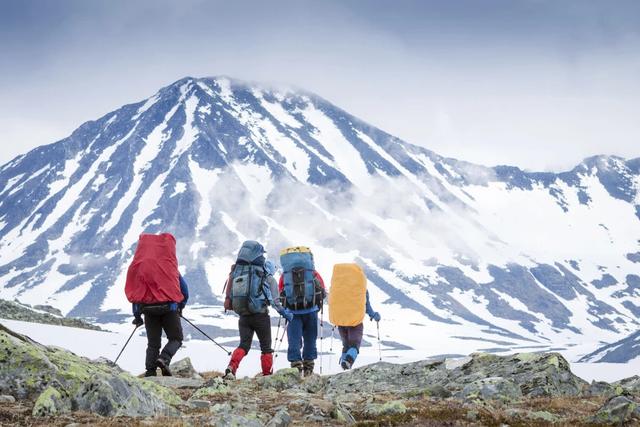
point(617, 410)
point(211, 388)
point(342, 415)
point(280, 419)
point(5, 398)
point(184, 369)
point(536, 374)
point(60, 381)
point(629, 385)
point(393, 407)
point(496, 388)
point(600, 388)
point(281, 379)
point(177, 382)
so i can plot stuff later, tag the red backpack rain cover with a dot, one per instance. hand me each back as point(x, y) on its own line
point(153, 274)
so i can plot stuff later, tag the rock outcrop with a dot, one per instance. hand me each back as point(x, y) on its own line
point(520, 389)
point(59, 381)
point(14, 310)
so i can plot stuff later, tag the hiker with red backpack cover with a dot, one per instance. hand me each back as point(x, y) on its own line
point(156, 289)
point(249, 291)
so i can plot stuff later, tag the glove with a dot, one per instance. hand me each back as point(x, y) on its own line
point(376, 316)
point(137, 320)
point(287, 314)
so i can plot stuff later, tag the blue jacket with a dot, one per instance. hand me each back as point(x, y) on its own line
point(370, 311)
point(174, 305)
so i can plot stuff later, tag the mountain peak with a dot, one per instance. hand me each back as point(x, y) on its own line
point(446, 245)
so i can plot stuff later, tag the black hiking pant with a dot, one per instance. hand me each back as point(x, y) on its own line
point(260, 323)
point(351, 336)
point(155, 324)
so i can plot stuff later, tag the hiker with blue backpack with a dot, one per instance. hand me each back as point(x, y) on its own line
point(302, 290)
point(249, 291)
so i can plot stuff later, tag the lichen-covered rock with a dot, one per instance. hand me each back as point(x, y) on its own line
point(544, 374)
point(617, 410)
point(213, 388)
point(542, 416)
point(601, 388)
point(629, 385)
point(537, 374)
point(60, 381)
point(496, 388)
point(393, 407)
point(280, 419)
point(342, 414)
point(234, 420)
point(314, 383)
point(176, 382)
point(50, 403)
point(384, 377)
point(184, 369)
point(281, 379)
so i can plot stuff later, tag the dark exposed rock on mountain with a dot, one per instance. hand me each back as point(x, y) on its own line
point(13, 310)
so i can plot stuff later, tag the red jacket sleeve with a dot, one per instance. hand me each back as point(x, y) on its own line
point(281, 283)
point(317, 276)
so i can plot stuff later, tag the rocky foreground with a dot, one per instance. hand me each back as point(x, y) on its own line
point(50, 386)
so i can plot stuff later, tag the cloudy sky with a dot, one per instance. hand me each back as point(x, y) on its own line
point(536, 83)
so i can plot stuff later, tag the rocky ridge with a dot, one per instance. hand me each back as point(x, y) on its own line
point(15, 310)
point(50, 386)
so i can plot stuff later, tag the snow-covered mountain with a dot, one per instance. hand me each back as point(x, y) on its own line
point(454, 251)
point(623, 351)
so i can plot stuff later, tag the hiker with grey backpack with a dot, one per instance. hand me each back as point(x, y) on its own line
point(249, 291)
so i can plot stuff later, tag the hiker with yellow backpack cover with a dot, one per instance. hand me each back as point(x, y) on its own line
point(348, 303)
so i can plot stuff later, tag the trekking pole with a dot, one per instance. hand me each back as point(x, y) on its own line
point(284, 331)
point(379, 348)
point(203, 333)
point(125, 344)
point(331, 349)
point(321, 336)
point(278, 331)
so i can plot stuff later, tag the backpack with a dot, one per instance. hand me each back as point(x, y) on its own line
point(301, 291)
point(152, 276)
point(348, 295)
point(246, 280)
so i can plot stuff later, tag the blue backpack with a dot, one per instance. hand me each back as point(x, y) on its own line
point(300, 288)
point(247, 279)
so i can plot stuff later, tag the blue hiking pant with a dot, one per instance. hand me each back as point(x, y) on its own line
point(303, 328)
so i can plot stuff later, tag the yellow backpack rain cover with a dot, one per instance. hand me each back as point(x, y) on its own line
point(348, 295)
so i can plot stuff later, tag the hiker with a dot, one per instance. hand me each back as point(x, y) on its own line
point(348, 302)
point(249, 292)
point(156, 289)
point(302, 291)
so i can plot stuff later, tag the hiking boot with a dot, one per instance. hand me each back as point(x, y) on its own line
point(345, 364)
point(164, 367)
point(228, 374)
point(298, 365)
point(150, 373)
point(307, 368)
